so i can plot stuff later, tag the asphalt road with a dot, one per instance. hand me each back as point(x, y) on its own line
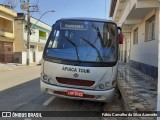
point(20, 91)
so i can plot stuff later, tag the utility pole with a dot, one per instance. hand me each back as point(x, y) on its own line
point(105, 9)
point(28, 34)
point(25, 5)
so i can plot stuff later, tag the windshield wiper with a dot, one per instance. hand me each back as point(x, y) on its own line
point(99, 55)
point(69, 40)
point(98, 33)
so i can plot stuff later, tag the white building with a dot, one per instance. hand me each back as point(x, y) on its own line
point(139, 20)
point(40, 32)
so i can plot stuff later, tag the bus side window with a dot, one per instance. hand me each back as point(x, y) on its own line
point(55, 43)
point(66, 33)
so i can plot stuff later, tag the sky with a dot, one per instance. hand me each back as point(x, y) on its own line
point(67, 8)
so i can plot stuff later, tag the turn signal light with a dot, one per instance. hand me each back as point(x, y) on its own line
point(101, 86)
point(50, 81)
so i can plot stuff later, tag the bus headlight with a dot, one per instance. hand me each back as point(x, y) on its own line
point(45, 77)
point(108, 84)
point(50, 81)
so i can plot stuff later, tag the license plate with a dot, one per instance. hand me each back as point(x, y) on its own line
point(75, 93)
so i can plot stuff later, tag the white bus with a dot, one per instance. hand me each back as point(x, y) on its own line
point(80, 59)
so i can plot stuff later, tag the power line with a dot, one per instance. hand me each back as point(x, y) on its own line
point(37, 2)
point(35, 5)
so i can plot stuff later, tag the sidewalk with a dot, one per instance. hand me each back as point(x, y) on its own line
point(13, 66)
point(139, 91)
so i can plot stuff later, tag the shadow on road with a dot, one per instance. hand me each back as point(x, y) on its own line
point(15, 97)
point(28, 97)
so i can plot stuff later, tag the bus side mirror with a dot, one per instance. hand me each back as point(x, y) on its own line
point(120, 35)
point(120, 38)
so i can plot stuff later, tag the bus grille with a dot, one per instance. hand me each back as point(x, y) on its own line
point(78, 82)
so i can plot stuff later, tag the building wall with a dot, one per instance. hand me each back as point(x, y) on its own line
point(35, 41)
point(158, 93)
point(144, 52)
point(19, 38)
point(35, 36)
point(9, 16)
point(20, 57)
point(144, 55)
point(37, 26)
point(7, 34)
point(39, 57)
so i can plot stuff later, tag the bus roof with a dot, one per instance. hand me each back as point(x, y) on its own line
point(88, 19)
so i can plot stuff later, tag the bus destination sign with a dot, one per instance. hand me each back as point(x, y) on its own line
point(74, 25)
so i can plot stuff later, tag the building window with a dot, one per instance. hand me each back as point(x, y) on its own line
point(135, 37)
point(32, 46)
point(150, 29)
point(42, 35)
point(6, 25)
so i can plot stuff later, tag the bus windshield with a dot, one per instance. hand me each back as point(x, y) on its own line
point(83, 41)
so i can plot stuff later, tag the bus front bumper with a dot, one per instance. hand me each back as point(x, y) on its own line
point(93, 95)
